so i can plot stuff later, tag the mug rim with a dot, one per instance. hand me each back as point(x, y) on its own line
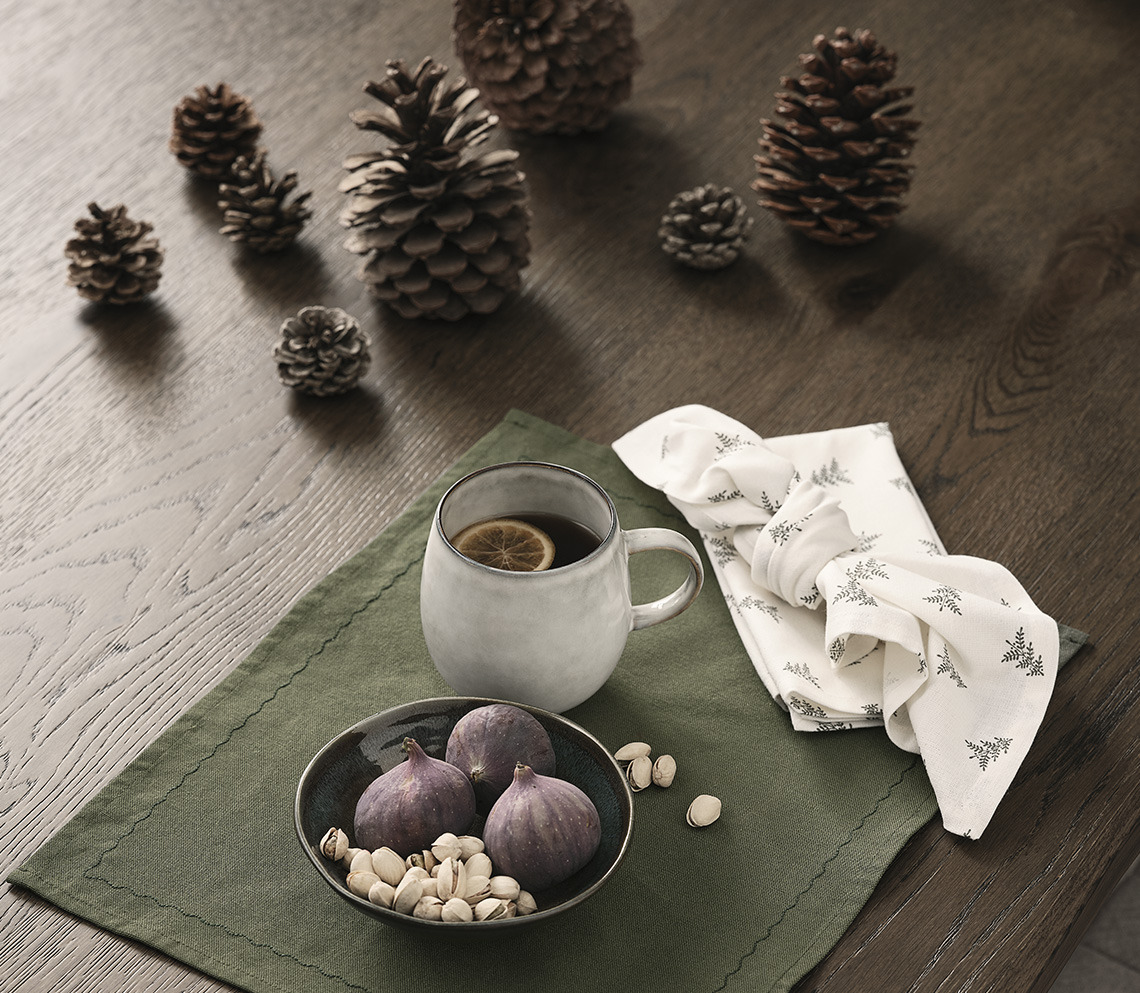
point(606, 541)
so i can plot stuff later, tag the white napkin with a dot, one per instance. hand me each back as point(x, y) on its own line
point(847, 603)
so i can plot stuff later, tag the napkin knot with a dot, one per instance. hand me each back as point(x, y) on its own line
point(790, 551)
point(949, 653)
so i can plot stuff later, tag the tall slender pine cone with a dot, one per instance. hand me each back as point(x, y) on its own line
point(833, 168)
point(113, 259)
point(548, 66)
point(704, 227)
point(443, 227)
point(212, 128)
point(253, 205)
point(322, 351)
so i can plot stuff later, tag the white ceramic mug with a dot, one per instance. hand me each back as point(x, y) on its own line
point(549, 639)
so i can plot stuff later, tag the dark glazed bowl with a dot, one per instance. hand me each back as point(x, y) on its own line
point(339, 773)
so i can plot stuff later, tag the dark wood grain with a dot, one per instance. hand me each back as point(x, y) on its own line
point(163, 501)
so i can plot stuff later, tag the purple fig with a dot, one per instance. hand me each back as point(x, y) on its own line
point(542, 830)
point(488, 742)
point(413, 803)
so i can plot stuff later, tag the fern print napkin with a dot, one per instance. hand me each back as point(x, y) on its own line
point(847, 603)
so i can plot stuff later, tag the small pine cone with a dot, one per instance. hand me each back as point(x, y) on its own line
point(704, 227)
point(212, 128)
point(254, 209)
point(548, 66)
point(322, 351)
point(832, 169)
point(113, 259)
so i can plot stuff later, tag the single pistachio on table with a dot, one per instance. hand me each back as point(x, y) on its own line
point(664, 769)
point(639, 773)
point(703, 811)
point(635, 749)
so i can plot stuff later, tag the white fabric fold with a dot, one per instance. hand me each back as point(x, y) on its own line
point(847, 603)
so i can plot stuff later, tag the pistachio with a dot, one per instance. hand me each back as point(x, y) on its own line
point(640, 773)
point(381, 894)
point(423, 860)
point(350, 854)
point(478, 888)
point(490, 909)
point(416, 872)
point(703, 811)
point(361, 882)
point(456, 909)
point(635, 749)
point(429, 908)
point(525, 904)
point(504, 887)
point(446, 846)
point(334, 844)
point(388, 866)
point(664, 769)
point(407, 894)
point(469, 845)
point(361, 862)
point(452, 879)
point(478, 864)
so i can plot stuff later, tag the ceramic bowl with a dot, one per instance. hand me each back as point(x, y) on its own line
point(339, 773)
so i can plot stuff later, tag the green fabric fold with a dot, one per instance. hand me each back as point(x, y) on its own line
point(192, 848)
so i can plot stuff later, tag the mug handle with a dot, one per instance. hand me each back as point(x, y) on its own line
point(654, 539)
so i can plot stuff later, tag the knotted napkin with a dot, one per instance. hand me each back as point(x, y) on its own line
point(847, 603)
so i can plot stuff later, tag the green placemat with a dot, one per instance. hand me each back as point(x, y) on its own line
point(192, 848)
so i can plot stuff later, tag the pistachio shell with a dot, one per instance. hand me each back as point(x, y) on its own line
point(408, 894)
point(388, 865)
point(469, 845)
point(381, 894)
point(639, 773)
point(635, 749)
point(416, 872)
point(350, 854)
point(456, 910)
point(504, 887)
point(429, 908)
point(334, 844)
point(490, 909)
point(446, 846)
point(703, 811)
point(478, 888)
point(361, 882)
point(478, 864)
point(452, 879)
point(664, 769)
point(525, 904)
point(362, 862)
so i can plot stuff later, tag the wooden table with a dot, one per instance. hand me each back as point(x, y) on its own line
point(164, 500)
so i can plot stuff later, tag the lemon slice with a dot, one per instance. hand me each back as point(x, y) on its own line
point(506, 543)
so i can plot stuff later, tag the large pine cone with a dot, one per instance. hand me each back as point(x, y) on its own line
point(253, 206)
point(212, 128)
point(444, 228)
point(832, 170)
point(548, 66)
point(322, 351)
point(113, 259)
point(704, 227)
